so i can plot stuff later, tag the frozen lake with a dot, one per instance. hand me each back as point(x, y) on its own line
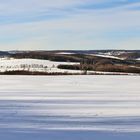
point(69, 107)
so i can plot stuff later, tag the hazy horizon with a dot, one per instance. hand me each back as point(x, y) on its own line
point(72, 50)
point(69, 25)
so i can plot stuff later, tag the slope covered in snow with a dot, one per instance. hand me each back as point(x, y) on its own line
point(107, 56)
point(10, 64)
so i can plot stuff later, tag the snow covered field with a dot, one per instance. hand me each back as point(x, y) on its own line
point(69, 107)
point(38, 65)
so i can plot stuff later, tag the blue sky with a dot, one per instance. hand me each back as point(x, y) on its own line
point(69, 24)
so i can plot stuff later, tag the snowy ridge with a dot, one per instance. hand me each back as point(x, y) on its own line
point(64, 53)
point(107, 56)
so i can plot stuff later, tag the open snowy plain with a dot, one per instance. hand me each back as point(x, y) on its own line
point(69, 107)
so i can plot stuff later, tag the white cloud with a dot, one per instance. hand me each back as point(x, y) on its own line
point(79, 29)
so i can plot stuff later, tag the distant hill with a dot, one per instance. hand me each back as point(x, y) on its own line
point(4, 53)
point(125, 61)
